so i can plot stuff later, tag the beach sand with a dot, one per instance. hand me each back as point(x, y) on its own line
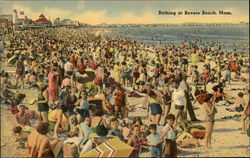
point(226, 138)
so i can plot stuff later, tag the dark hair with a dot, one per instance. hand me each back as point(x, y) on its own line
point(137, 119)
point(170, 117)
point(17, 129)
point(240, 94)
point(43, 128)
point(134, 126)
point(208, 97)
point(113, 120)
point(152, 126)
point(151, 94)
point(215, 88)
point(84, 118)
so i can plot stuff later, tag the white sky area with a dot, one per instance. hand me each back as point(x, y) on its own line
point(132, 12)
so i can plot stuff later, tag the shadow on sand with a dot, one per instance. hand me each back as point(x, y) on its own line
point(225, 130)
point(190, 153)
point(236, 147)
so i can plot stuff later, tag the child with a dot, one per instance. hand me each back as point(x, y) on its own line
point(83, 110)
point(114, 131)
point(134, 141)
point(126, 129)
point(169, 134)
point(154, 141)
point(20, 136)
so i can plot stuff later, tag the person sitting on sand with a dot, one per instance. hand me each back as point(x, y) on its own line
point(99, 125)
point(66, 107)
point(22, 118)
point(239, 104)
point(85, 129)
point(6, 95)
point(114, 131)
point(38, 142)
point(20, 136)
point(5, 79)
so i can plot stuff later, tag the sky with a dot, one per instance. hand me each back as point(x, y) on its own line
point(132, 12)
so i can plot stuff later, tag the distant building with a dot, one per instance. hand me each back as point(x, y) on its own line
point(66, 22)
point(6, 22)
point(57, 22)
point(42, 21)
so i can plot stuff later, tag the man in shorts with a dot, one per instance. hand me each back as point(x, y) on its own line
point(20, 72)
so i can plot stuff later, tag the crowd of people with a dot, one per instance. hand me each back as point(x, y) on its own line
point(81, 78)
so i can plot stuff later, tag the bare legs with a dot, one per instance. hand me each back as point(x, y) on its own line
point(244, 123)
point(17, 79)
point(178, 115)
point(44, 116)
point(155, 119)
point(208, 135)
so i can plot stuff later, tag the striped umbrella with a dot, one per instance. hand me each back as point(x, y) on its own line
point(111, 148)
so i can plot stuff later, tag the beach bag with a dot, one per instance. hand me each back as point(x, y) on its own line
point(247, 111)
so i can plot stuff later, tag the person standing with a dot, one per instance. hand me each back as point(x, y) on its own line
point(210, 110)
point(186, 88)
point(53, 81)
point(20, 68)
point(117, 72)
point(42, 101)
point(120, 101)
point(180, 102)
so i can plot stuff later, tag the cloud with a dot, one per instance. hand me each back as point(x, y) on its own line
point(91, 17)
point(55, 12)
point(148, 16)
point(80, 5)
point(98, 17)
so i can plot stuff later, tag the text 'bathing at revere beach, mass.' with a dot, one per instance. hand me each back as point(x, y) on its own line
point(194, 13)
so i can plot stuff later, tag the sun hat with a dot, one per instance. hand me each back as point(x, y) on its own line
point(21, 105)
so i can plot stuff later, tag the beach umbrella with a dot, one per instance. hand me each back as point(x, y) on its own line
point(88, 77)
point(12, 60)
point(111, 148)
point(91, 88)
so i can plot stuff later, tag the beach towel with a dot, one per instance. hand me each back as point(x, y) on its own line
point(184, 135)
point(233, 66)
point(191, 128)
point(199, 134)
point(134, 94)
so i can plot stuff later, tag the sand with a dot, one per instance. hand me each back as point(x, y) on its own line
point(226, 138)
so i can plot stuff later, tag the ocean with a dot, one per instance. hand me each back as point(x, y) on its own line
point(228, 36)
